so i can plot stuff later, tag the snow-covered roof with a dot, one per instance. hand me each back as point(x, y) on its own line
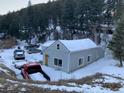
point(76, 45)
point(48, 43)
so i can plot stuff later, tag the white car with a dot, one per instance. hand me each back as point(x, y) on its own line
point(19, 54)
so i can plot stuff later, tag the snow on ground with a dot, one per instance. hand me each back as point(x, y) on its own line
point(99, 89)
point(106, 65)
point(22, 43)
point(37, 76)
point(85, 88)
point(111, 80)
point(8, 60)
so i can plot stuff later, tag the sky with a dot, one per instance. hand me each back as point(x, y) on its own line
point(14, 5)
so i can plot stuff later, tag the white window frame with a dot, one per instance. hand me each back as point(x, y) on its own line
point(89, 59)
point(58, 46)
point(58, 62)
point(82, 59)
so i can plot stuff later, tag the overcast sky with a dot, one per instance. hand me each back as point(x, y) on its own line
point(10, 5)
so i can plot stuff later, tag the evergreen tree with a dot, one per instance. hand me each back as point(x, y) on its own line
point(81, 13)
point(117, 43)
point(89, 17)
point(68, 18)
point(119, 9)
point(72, 15)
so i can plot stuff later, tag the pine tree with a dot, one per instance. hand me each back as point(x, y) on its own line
point(81, 13)
point(117, 43)
point(119, 9)
point(89, 16)
point(68, 18)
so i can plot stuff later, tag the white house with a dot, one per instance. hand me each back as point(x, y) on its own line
point(69, 55)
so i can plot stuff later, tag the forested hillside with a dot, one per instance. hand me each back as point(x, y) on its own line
point(72, 16)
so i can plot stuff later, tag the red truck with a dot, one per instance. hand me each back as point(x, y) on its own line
point(31, 68)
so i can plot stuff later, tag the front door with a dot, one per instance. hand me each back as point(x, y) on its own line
point(46, 59)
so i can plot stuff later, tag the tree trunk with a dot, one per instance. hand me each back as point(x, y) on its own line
point(121, 62)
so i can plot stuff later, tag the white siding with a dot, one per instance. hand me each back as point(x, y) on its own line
point(94, 53)
point(70, 60)
point(61, 53)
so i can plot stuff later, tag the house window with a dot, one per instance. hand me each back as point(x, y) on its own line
point(55, 61)
point(80, 61)
point(58, 62)
point(88, 58)
point(58, 46)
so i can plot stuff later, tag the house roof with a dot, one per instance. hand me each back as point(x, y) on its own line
point(48, 43)
point(76, 45)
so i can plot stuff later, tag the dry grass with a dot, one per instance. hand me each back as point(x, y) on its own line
point(7, 43)
point(17, 88)
point(112, 86)
point(8, 74)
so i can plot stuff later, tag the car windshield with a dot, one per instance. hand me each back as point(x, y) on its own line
point(18, 51)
